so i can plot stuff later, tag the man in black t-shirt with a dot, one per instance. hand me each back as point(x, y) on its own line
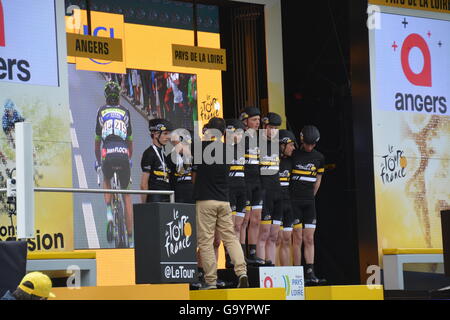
point(213, 210)
point(307, 170)
point(154, 162)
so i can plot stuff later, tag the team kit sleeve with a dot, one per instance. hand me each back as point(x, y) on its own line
point(146, 161)
point(98, 127)
point(129, 127)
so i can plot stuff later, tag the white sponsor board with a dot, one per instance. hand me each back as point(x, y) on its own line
point(28, 43)
point(411, 61)
point(289, 278)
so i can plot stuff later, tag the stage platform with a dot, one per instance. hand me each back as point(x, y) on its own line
point(239, 294)
point(136, 292)
point(357, 292)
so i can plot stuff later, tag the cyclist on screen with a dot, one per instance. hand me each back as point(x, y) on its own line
point(9, 119)
point(113, 150)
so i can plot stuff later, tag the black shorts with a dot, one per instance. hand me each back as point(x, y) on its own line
point(288, 215)
point(304, 213)
point(120, 164)
point(184, 192)
point(254, 195)
point(238, 200)
point(272, 211)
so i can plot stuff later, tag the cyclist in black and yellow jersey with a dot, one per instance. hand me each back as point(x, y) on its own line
point(272, 212)
point(251, 118)
point(306, 176)
point(154, 162)
point(236, 179)
point(287, 146)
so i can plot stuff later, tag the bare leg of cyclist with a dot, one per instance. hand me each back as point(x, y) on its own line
point(129, 214)
point(263, 236)
point(253, 231)
point(271, 243)
point(285, 247)
point(297, 245)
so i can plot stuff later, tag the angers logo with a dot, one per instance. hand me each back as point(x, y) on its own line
point(420, 79)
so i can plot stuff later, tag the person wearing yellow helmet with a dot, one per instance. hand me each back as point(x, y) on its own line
point(34, 286)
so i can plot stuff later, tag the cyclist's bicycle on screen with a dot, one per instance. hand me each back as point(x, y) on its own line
point(117, 230)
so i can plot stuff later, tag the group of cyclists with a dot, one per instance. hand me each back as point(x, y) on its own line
point(272, 179)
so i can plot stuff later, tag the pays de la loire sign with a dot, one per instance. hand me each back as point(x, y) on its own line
point(199, 57)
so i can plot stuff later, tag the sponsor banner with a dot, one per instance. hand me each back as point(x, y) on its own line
point(105, 25)
point(442, 6)
point(290, 278)
point(411, 65)
point(28, 42)
point(46, 107)
point(198, 57)
point(94, 47)
point(411, 129)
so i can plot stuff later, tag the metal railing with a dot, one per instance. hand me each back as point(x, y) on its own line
point(170, 193)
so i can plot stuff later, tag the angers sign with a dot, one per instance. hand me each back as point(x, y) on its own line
point(412, 60)
point(94, 47)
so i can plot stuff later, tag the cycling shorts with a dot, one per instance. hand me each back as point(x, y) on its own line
point(254, 195)
point(272, 211)
point(288, 216)
point(238, 200)
point(304, 213)
point(117, 163)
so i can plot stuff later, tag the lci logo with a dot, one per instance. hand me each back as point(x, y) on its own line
point(95, 34)
point(2, 26)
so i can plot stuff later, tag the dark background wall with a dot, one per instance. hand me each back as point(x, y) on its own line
point(322, 67)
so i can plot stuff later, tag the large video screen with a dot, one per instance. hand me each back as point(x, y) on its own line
point(151, 87)
point(410, 80)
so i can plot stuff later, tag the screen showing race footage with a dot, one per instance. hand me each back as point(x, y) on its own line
point(146, 94)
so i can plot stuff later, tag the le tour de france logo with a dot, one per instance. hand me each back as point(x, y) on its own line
point(178, 234)
point(414, 101)
point(393, 165)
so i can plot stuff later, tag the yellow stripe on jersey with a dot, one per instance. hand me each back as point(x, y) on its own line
point(306, 173)
point(298, 226)
point(284, 179)
point(321, 170)
point(160, 173)
point(236, 168)
point(252, 156)
point(268, 163)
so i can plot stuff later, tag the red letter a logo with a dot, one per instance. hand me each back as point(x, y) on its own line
point(2, 26)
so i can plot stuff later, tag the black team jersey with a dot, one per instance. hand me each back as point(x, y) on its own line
point(251, 167)
point(285, 176)
point(305, 168)
point(237, 167)
point(269, 164)
point(211, 182)
point(155, 162)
